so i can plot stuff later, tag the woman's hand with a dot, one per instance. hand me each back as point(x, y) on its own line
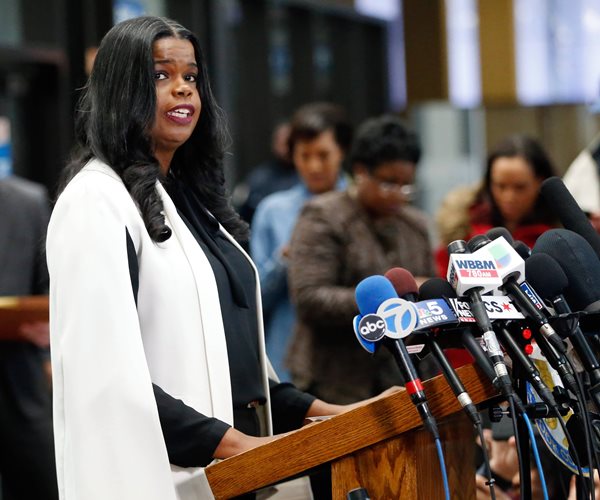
point(573, 487)
point(321, 408)
point(235, 442)
point(37, 333)
point(504, 458)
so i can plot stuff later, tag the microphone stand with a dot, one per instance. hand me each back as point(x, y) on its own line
point(524, 449)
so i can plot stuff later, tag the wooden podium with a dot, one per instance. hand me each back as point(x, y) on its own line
point(381, 446)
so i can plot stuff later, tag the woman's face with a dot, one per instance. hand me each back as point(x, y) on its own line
point(177, 98)
point(318, 161)
point(389, 186)
point(514, 187)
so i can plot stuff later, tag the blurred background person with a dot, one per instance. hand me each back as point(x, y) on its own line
point(320, 136)
point(26, 444)
point(504, 464)
point(276, 174)
point(582, 178)
point(509, 197)
point(340, 239)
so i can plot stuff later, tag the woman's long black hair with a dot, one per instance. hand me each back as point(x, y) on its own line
point(116, 113)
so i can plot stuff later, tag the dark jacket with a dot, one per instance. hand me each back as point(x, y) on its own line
point(25, 211)
point(335, 245)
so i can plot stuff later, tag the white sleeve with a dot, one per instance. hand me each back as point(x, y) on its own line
point(582, 180)
point(109, 443)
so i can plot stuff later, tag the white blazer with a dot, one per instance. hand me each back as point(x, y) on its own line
point(106, 352)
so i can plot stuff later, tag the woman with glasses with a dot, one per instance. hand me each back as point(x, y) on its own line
point(340, 239)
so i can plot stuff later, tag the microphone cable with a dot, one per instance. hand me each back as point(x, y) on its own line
point(371, 293)
point(486, 462)
point(460, 392)
point(588, 433)
point(567, 434)
point(438, 447)
point(586, 414)
point(512, 348)
point(536, 455)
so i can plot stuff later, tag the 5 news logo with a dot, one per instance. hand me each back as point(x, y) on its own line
point(434, 312)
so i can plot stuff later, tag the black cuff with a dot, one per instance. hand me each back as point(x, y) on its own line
point(289, 406)
point(191, 437)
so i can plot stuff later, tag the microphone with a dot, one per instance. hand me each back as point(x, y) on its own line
point(561, 202)
point(521, 248)
point(550, 280)
point(497, 232)
point(472, 274)
point(512, 269)
point(375, 295)
point(579, 262)
point(403, 282)
point(529, 369)
point(406, 287)
point(358, 494)
point(438, 287)
point(512, 348)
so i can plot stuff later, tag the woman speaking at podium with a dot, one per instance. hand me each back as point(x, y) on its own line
point(156, 329)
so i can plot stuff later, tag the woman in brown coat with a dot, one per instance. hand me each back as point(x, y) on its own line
point(340, 239)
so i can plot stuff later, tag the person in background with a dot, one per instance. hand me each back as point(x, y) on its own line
point(27, 467)
point(504, 465)
point(277, 174)
point(343, 237)
point(157, 346)
point(320, 136)
point(582, 179)
point(509, 197)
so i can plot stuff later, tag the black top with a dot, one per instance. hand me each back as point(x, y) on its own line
point(237, 296)
point(191, 438)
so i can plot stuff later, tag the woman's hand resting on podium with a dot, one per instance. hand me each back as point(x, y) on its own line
point(320, 408)
point(235, 442)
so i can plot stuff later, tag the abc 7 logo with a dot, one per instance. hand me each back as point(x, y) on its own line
point(372, 327)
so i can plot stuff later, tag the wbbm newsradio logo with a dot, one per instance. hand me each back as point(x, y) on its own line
point(472, 268)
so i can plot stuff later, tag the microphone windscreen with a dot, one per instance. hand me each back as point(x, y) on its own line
point(402, 280)
point(496, 232)
point(545, 275)
point(522, 249)
point(579, 263)
point(457, 246)
point(371, 292)
point(561, 202)
point(478, 241)
point(436, 288)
